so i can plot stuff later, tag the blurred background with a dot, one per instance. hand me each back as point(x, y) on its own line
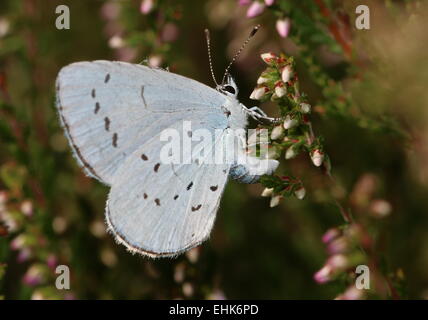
point(368, 94)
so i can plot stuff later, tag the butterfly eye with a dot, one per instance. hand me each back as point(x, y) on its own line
point(229, 89)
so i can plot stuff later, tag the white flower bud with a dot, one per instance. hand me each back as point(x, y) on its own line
point(277, 132)
point(317, 157)
point(286, 74)
point(268, 57)
point(290, 153)
point(289, 122)
point(262, 80)
point(305, 107)
point(300, 193)
point(280, 90)
point(267, 192)
point(258, 93)
point(274, 201)
point(116, 42)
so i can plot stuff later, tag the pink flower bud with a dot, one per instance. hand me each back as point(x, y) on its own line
point(330, 235)
point(244, 2)
point(286, 74)
point(35, 275)
point(255, 9)
point(323, 275)
point(146, 6)
point(27, 208)
point(258, 93)
point(317, 157)
point(268, 57)
point(338, 262)
point(269, 2)
point(380, 208)
point(300, 193)
point(352, 293)
point(283, 27)
point(339, 245)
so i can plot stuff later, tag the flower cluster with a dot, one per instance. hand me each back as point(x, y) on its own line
point(344, 250)
point(256, 8)
point(294, 135)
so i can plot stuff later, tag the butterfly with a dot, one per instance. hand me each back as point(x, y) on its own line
point(114, 113)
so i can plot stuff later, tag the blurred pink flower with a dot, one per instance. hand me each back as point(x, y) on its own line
point(323, 275)
point(330, 235)
point(244, 2)
point(34, 276)
point(146, 6)
point(169, 32)
point(269, 2)
point(283, 27)
point(255, 9)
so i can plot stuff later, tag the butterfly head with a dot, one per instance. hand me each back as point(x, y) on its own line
point(228, 87)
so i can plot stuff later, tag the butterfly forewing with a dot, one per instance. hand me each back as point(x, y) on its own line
point(109, 109)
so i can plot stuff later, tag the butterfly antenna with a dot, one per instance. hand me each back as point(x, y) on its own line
point(252, 33)
point(207, 36)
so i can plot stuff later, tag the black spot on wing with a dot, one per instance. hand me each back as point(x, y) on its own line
point(114, 141)
point(144, 157)
point(176, 197)
point(156, 167)
point(214, 188)
point(93, 93)
point(197, 207)
point(157, 201)
point(107, 78)
point(107, 123)
point(145, 195)
point(190, 185)
point(97, 107)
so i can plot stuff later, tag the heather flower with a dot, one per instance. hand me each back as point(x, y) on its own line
point(268, 57)
point(146, 6)
point(300, 193)
point(277, 132)
point(305, 108)
point(255, 9)
point(323, 275)
point(283, 27)
point(330, 235)
point(290, 153)
point(280, 90)
point(267, 192)
point(269, 2)
point(289, 122)
point(258, 93)
point(317, 157)
point(286, 74)
point(274, 201)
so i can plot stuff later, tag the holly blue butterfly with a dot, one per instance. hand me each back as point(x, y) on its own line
point(114, 113)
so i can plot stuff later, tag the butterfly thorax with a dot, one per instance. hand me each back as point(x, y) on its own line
point(234, 110)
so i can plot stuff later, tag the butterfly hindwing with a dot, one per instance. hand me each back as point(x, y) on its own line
point(159, 209)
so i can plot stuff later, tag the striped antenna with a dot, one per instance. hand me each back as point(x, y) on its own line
point(252, 33)
point(207, 36)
